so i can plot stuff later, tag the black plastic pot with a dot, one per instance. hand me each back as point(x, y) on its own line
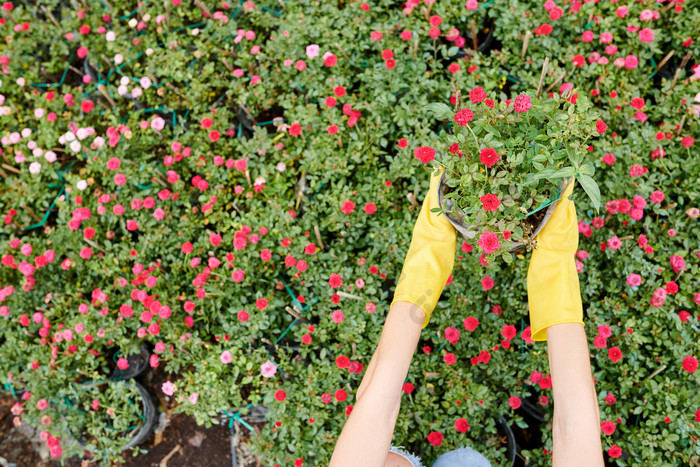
point(137, 365)
point(456, 218)
point(139, 435)
point(512, 446)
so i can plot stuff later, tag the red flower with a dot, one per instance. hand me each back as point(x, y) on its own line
point(306, 339)
point(461, 425)
point(608, 427)
point(545, 30)
point(488, 157)
point(508, 331)
point(370, 208)
point(339, 91)
point(454, 149)
point(463, 117)
point(615, 354)
point(477, 95)
point(490, 202)
point(342, 361)
point(295, 129)
point(348, 207)
point(403, 142)
point(435, 438)
point(335, 281)
point(333, 129)
point(341, 395)
point(206, 123)
point(487, 283)
point(452, 335)
point(514, 402)
point(610, 399)
point(690, 364)
point(424, 154)
point(637, 103)
point(450, 358)
point(373, 270)
point(615, 451)
point(600, 127)
point(579, 60)
point(261, 303)
point(471, 323)
point(407, 388)
point(687, 141)
point(87, 106)
point(280, 395)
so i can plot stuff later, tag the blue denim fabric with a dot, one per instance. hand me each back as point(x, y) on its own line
point(464, 457)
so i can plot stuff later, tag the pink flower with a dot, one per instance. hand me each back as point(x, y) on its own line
point(631, 62)
point(615, 354)
point(168, 388)
point(337, 316)
point(646, 35)
point(225, 357)
point(608, 427)
point(634, 280)
point(312, 50)
point(42, 404)
point(488, 241)
point(522, 103)
point(194, 397)
point(587, 36)
point(471, 5)
point(677, 263)
point(614, 243)
point(514, 402)
point(268, 369)
point(657, 197)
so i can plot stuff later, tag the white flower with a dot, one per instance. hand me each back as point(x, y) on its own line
point(149, 51)
point(121, 90)
point(118, 59)
point(70, 136)
point(37, 152)
point(31, 145)
point(281, 167)
point(62, 139)
point(124, 80)
point(50, 156)
point(35, 168)
point(146, 18)
point(26, 132)
point(21, 82)
point(110, 36)
point(82, 133)
point(5, 110)
point(133, 22)
point(195, 31)
point(38, 113)
point(136, 92)
point(259, 181)
point(75, 146)
point(98, 142)
point(82, 185)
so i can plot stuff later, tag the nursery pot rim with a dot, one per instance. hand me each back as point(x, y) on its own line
point(469, 235)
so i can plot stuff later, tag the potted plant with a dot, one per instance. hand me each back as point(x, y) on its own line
point(507, 163)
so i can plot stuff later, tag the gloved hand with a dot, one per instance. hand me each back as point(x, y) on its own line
point(430, 257)
point(553, 291)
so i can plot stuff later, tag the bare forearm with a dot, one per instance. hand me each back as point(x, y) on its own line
point(367, 434)
point(576, 429)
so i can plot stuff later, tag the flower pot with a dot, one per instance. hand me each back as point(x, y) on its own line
point(149, 414)
point(137, 365)
point(456, 218)
point(512, 447)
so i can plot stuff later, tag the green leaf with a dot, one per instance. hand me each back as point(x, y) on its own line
point(452, 51)
point(587, 169)
point(563, 172)
point(439, 110)
point(591, 188)
point(507, 257)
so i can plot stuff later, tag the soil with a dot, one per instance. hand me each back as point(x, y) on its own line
point(533, 221)
point(16, 443)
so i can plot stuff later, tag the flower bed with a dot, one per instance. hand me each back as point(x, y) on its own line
point(235, 186)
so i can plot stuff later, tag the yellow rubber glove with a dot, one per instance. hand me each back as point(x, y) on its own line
point(430, 257)
point(553, 291)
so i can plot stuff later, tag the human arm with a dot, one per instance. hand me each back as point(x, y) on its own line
point(367, 433)
point(576, 428)
point(366, 436)
point(556, 315)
